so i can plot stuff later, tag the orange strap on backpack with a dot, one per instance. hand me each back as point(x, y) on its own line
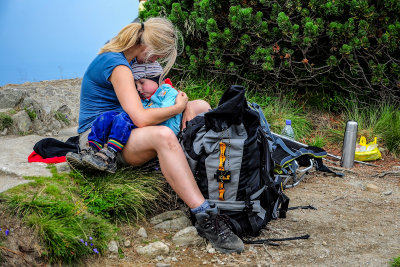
point(222, 158)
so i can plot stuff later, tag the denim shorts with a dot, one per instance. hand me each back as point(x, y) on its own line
point(83, 142)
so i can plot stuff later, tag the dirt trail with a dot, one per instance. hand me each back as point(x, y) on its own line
point(351, 227)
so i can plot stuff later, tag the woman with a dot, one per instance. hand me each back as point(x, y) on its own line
point(108, 84)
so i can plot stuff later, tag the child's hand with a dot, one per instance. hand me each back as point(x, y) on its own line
point(181, 100)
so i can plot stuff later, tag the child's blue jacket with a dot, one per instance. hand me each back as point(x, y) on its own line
point(165, 97)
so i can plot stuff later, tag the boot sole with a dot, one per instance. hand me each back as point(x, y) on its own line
point(74, 163)
point(93, 166)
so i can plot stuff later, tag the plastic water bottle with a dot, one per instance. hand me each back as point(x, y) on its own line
point(288, 130)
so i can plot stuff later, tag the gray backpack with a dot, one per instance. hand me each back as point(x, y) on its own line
point(228, 153)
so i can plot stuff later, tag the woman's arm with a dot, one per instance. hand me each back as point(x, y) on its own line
point(124, 86)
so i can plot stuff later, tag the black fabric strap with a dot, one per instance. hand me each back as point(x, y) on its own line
point(250, 214)
point(270, 241)
point(322, 168)
point(309, 207)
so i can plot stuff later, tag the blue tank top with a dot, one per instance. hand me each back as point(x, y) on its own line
point(97, 92)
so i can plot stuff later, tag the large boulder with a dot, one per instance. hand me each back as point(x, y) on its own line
point(50, 105)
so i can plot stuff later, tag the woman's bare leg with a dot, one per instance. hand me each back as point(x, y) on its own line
point(148, 142)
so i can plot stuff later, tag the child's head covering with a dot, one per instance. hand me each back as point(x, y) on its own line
point(151, 71)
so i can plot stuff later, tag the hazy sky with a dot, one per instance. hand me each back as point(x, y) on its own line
point(56, 39)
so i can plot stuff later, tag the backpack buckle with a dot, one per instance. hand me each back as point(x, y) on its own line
point(223, 176)
point(248, 206)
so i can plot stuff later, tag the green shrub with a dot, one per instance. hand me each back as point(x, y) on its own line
point(5, 121)
point(315, 44)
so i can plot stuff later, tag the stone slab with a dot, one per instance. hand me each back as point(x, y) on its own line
point(14, 152)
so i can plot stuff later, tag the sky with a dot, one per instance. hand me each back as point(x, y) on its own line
point(56, 39)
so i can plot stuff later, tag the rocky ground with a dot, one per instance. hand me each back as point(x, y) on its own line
point(356, 224)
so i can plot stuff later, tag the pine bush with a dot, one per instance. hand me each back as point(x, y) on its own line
point(339, 45)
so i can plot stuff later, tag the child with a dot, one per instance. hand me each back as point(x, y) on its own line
point(114, 128)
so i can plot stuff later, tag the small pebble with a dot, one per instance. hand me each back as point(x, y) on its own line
point(387, 193)
point(142, 232)
point(211, 250)
point(127, 243)
point(160, 264)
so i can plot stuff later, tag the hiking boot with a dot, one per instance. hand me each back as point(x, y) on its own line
point(74, 160)
point(215, 228)
point(104, 160)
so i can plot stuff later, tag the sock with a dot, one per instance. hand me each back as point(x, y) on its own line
point(202, 208)
point(96, 146)
point(115, 145)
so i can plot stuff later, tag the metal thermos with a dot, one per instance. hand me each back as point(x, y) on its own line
point(349, 145)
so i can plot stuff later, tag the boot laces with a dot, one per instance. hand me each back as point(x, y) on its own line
point(221, 225)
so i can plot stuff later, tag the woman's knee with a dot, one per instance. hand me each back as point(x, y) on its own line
point(164, 133)
point(166, 138)
point(199, 106)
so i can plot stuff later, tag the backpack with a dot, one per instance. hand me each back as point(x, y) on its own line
point(228, 151)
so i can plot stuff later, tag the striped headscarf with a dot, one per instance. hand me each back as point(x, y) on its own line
point(150, 71)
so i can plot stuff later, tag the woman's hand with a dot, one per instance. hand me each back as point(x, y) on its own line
point(181, 101)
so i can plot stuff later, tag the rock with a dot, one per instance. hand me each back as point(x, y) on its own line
point(168, 215)
point(113, 246)
point(160, 264)
point(53, 104)
point(187, 236)
point(21, 122)
point(174, 259)
point(142, 232)
point(159, 258)
point(174, 224)
point(153, 249)
point(387, 193)
point(372, 188)
point(211, 250)
point(127, 243)
point(396, 168)
point(9, 97)
point(63, 167)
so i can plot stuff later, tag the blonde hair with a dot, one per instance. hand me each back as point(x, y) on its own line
point(158, 34)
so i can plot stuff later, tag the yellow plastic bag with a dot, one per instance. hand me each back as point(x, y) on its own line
point(367, 152)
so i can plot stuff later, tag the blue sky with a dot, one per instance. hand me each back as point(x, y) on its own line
point(56, 39)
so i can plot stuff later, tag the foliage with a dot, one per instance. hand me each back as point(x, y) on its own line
point(277, 108)
point(31, 113)
point(73, 214)
point(5, 121)
point(388, 126)
point(382, 121)
point(62, 117)
point(317, 141)
point(122, 197)
point(318, 44)
point(395, 262)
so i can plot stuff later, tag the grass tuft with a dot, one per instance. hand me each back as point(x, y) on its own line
point(395, 262)
point(126, 196)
